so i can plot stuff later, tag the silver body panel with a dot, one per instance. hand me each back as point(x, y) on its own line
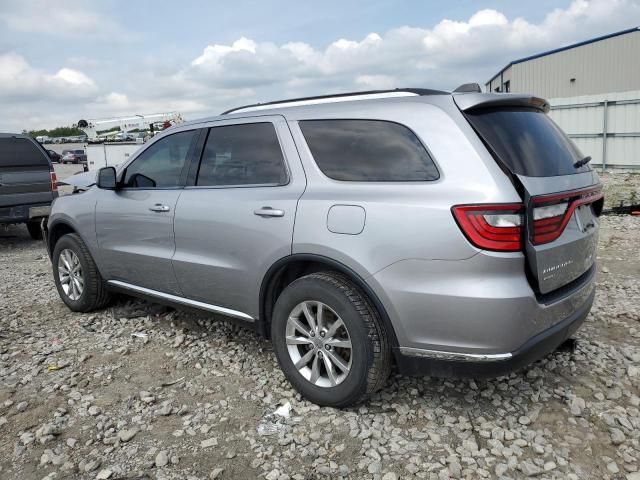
point(441, 294)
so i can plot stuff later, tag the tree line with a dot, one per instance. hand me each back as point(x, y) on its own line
point(55, 132)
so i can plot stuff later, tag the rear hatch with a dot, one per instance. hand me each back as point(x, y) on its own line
point(25, 173)
point(562, 196)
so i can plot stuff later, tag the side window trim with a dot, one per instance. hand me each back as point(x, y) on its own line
point(194, 170)
point(185, 167)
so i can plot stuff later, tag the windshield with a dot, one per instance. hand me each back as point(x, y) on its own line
point(527, 141)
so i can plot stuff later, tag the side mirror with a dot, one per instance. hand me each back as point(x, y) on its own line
point(107, 178)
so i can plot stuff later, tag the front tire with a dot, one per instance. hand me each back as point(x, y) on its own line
point(329, 340)
point(76, 276)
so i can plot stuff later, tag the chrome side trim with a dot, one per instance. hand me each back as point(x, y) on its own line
point(464, 357)
point(183, 301)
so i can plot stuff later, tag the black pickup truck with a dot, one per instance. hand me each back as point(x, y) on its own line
point(27, 182)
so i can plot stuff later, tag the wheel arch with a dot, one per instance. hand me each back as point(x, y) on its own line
point(289, 268)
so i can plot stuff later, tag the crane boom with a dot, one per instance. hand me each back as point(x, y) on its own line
point(127, 123)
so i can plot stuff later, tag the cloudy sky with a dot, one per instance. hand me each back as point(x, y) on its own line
point(65, 60)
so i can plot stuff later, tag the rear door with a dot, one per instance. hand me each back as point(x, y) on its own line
point(236, 219)
point(561, 192)
point(25, 173)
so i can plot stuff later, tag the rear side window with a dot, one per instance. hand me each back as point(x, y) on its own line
point(20, 152)
point(368, 151)
point(527, 141)
point(245, 154)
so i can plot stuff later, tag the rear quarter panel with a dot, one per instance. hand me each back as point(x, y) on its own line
point(403, 219)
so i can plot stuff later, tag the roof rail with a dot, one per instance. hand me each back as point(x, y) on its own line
point(339, 97)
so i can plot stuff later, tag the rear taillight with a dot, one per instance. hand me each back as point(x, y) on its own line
point(499, 227)
point(492, 227)
point(551, 213)
point(54, 182)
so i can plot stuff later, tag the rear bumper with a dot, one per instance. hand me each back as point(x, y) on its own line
point(414, 361)
point(24, 213)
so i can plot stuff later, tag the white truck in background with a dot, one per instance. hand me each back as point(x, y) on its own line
point(109, 154)
point(107, 138)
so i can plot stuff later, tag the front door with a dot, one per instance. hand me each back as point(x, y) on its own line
point(134, 224)
point(237, 219)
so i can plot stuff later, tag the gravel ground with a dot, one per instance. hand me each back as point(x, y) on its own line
point(141, 391)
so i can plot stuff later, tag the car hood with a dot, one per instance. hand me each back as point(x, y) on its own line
point(82, 180)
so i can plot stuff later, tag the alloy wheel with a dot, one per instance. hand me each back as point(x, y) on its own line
point(319, 344)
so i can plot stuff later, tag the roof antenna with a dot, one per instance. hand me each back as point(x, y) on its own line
point(468, 88)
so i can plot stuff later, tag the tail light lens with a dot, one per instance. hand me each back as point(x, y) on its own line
point(54, 182)
point(492, 227)
point(499, 227)
point(551, 213)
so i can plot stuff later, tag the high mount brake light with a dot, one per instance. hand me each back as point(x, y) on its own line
point(496, 227)
point(499, 227)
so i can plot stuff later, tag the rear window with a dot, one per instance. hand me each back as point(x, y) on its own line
point(368, 151)
point(20, 152)
point(527, 141)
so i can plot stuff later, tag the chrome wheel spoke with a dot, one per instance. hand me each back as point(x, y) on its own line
point(337, 360)
point(331, 372)
point(335, 327)
point(315, 370)
point(339, 343)
point(309, 316)
point(291, 340)
point(299, 326)
point(320, 316)
point(304, 360)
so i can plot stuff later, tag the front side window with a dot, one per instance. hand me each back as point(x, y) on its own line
point(245, 154)
point(368, 151)
point(161, 165)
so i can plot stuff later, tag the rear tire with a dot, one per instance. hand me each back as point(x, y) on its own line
point(34, 229)
point(362, 368)
point(93, 293)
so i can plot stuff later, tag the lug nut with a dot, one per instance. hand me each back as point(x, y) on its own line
point(312, 334)
point(320, 354)
point(328, 347)
point(322, 334)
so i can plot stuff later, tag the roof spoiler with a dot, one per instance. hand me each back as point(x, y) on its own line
point(472, 101)
point(468, 88)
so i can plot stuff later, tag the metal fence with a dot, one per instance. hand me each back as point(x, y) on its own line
point(607, 128)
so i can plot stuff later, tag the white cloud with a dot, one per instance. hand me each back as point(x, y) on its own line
point(19, 79)
point(69, 19)
point(444, 55)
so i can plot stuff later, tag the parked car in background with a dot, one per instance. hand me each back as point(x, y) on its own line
point(54, 156)
point(74, 156)
point(452, 234)
point(27, 182)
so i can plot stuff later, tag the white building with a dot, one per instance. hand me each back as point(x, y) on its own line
point(594, 89)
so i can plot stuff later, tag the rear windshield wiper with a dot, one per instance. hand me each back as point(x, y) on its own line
point(584, 161)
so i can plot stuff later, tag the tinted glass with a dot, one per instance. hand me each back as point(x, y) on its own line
point(247, 154)
point(20, 152)
point(368, 151)
point(527, 141)
point(160, 165)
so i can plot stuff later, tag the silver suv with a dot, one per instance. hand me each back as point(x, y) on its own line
point(445, 233)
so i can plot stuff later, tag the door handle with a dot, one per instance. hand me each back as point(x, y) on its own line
point(269, 212)
point(158, 207)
